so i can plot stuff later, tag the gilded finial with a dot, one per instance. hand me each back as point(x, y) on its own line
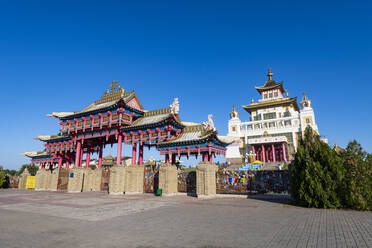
point(270, 74)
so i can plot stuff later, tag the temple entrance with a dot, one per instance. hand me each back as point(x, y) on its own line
point(151, 182)
point(105, 179)
point(187, 182)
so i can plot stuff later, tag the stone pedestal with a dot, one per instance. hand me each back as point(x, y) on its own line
point(168, 179)
point(92, 179)
point(206, 179)
point(53, 179)
point(48, 178)
point(40, 181)
point(23, 179)
point(117, 176)
point(75, 181)
point(134, 179)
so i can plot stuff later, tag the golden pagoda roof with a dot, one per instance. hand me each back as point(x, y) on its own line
point(270, 83)
point(112, 96)
point(265, 104)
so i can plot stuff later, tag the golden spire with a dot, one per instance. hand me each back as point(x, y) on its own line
point(270, 74)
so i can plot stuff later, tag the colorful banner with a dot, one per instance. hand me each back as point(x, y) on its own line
point(30, 183)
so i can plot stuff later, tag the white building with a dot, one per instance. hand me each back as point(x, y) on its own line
point(276, 123)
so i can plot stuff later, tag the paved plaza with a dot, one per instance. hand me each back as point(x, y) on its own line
point(58, 219)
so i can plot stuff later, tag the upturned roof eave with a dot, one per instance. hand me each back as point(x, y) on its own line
point(249, 108)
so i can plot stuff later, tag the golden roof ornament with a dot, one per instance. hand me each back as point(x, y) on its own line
point(270, 74)
point(234, 113)
point(114, 92)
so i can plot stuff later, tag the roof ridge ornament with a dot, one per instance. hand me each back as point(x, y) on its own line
point(270, 74)
point(175, 106)
point(209, 125)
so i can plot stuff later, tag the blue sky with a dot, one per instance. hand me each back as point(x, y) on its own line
point(62, 55)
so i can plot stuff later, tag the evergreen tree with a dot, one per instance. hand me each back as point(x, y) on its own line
point(358, 179)
point(32, 169)
point(2, 177)
point(317, 174)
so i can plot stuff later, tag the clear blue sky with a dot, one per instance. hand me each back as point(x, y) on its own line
point(61, 56)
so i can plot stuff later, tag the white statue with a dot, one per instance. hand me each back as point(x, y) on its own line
point(209, 125)
point(175, 106)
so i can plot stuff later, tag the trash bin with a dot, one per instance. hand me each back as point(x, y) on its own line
point(159, 192)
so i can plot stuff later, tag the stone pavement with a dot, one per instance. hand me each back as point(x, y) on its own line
point(95, 219)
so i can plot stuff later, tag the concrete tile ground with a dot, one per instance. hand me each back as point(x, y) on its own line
point(57, 219)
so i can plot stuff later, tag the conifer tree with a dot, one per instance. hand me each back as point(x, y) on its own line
point(358, 179)
point(317, 175)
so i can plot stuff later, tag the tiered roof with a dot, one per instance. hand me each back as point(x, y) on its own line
point(192, 135)
point(271, 103)
point(270, 84)
point(109, 100)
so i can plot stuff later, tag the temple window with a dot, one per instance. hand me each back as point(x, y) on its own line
point(269, 116)
point(265, 96)
point(270, 95)
point(276, 94)
point(249, 127)
point(257, 126)
point(257, 117)
point(287, 123)
point(272, 124)
point(233, 129)
point(287, 113)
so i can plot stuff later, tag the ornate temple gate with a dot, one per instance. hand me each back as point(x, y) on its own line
point(187, 182)
point(119, 118)
point(105, 179)
point(151, 179)
point(63, 179)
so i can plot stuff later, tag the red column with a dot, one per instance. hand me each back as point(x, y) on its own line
point(210, 157)
point(60, 161)
point(100, 156)
point(134, 153)
point(205, 156)
point(118, 156)
point(167, 158)
point(273, 148)
point(67, 163)
point(81, 157)
point(87, 161)
point(263, 154)
point(173, 158)
point(140, 154)
point(77, 154)
point(284, 152)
